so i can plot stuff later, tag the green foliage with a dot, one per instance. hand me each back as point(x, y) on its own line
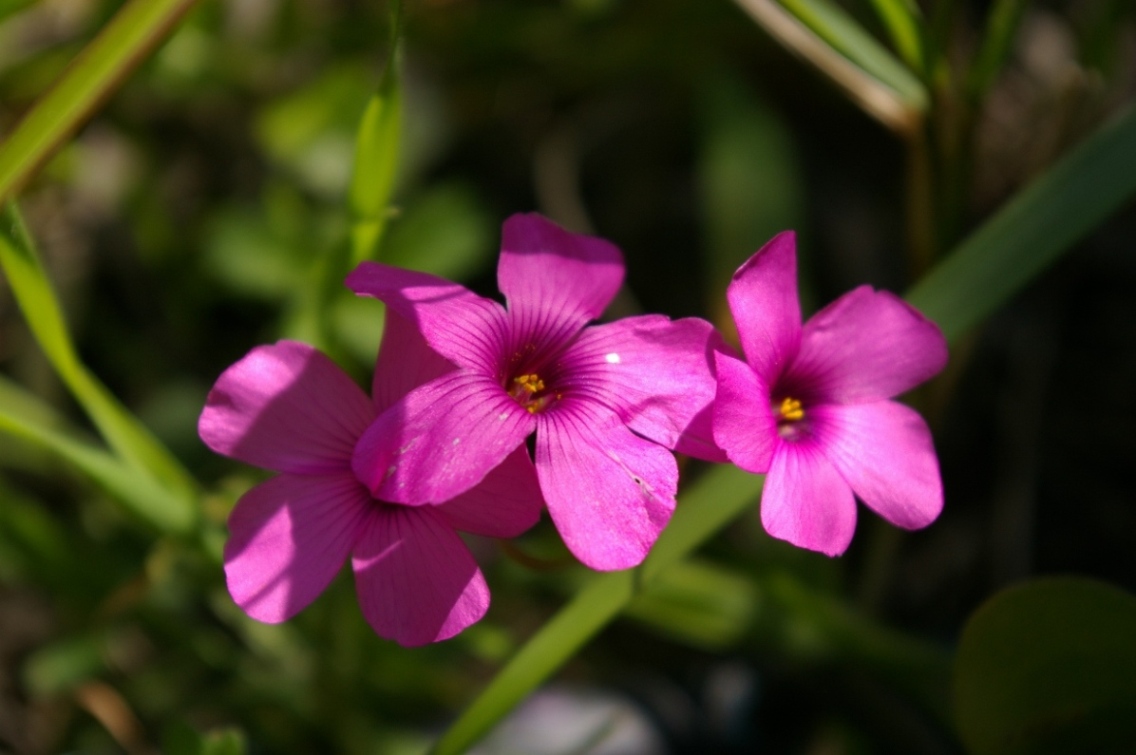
point(1047, 667)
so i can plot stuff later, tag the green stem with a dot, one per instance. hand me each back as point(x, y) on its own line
point(129, 37)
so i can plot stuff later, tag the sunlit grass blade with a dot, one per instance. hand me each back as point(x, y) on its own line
point(1032, 230)
point(125, 434)
point(902, 20)
point(1001, 29)
point(122, 44)
point(376, 153)
point(848, 38)
point(704, 509)
point(831, 41)
point(24, 417)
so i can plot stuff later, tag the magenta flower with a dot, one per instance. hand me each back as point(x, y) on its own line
point(289, 408)
point(811, 406)
point(606, 402)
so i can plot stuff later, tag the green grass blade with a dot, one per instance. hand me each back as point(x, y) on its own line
point(705, 508)
point(132, 441)
point(376, 153)
point(23, 416)
point(134, 31)
point(901, 18)
point(1001, 28)
point(1032, 230)
point(846, 36)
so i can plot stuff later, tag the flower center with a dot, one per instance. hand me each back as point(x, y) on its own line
point(530, 392)
point(790, 414)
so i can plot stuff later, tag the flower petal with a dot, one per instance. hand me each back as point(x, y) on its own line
point(763, 301)
point(417, 581)
point(505, 504)
point(405, 362)
point(884, 451)
point(866, 346)
point(655, 373)
point(289, 538)
point(744, 425)
point(440, 440)
point(555, 281)
point(610, 492)
point(288, 408)
point(463, 327)
point(806, 501)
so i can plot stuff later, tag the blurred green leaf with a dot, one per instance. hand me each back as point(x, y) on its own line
point(444, 231)
point(309, 131)
point(23, 416)
point(997, 42)
point(704, 508)
point(699, 603)
point(749, 177)
point(182, 739)
point(1049, 667)
point(37, 300)
point(122, 44)
point(9, 7)
point(1034, 228)
point(377, 146)
point(64, 664)
point(903, 21)
point(832, 24)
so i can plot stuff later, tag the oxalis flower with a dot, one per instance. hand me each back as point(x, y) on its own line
point(290, 409)
point(605, 402)
point(811, 405)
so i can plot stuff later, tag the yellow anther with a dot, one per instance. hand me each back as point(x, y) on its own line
point(531, 383)
point(791, 409)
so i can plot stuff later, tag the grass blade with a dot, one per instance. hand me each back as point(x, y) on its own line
point(129, 37)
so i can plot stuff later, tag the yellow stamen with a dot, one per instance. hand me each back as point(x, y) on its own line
point(791, 409)
point(531, 383)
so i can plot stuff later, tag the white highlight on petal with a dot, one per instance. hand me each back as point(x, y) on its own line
point(611, 358)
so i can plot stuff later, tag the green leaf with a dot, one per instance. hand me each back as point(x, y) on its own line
point(1049, 667)
point(749, 177)
point(376, 153)
point(122, 44)
point(902, 19)
point(132, 441)
point(23, 416)
point(706, 507)
point(846, 36)
point(997, 42)
point(1032, 230)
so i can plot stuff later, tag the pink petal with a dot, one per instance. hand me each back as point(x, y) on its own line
point(884, 451)
point(290, 536)
point(610, 492)
point(555, 281)
point(763, 300)
point(440, 440)
point(405, 362)
point(288, 408)
point(657, 375)
point(505, 504)
point(805, 500)
point(744, 425)
point(866, 346)
point(463, 327)
point(416, 580)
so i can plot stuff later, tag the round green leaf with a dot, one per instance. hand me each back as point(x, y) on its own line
point(1049, 667)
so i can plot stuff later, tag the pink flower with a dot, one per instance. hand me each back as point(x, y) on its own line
point(289, 408)
point(811, 406)
point(605, 402)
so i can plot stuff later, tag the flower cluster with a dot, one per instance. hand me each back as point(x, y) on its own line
point(463, 385)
